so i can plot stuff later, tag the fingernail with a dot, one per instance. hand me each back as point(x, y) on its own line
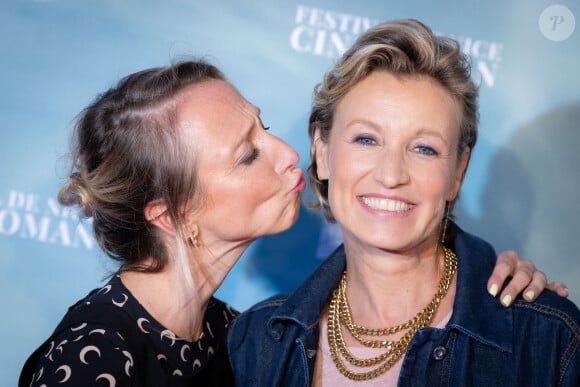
point(493, 290)
point(507, 300)
point(530, 295)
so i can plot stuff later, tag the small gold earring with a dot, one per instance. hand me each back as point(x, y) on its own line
point(193, 237)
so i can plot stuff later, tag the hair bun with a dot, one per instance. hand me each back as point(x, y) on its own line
point(77, 193)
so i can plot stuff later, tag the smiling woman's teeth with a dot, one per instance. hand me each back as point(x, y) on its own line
point(386, 205)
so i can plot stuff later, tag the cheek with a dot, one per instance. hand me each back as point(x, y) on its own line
point(345, 172)
point(256, 190)
point(434, 182)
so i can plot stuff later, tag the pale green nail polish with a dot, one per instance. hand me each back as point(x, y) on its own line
point(493, 290)
point(530, 294)
point(507, 300)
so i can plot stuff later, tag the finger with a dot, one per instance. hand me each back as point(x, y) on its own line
point(560, 288)
point(526, 279)
point(504, 267)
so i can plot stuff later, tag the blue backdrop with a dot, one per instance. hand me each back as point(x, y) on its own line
point(521, 192)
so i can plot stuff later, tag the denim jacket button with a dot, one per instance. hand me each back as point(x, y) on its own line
point(439, 353)
point(310, 353)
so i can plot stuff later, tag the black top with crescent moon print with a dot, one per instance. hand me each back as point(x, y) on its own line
point(94, 354)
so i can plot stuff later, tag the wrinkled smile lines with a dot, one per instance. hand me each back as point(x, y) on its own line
point(386, 204)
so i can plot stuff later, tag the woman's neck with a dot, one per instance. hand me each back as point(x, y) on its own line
point(176, 302)
point(386, 289)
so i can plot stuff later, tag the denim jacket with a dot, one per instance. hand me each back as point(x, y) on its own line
point(484, 344)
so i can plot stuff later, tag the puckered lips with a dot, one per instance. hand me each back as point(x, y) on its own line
point(300, 182)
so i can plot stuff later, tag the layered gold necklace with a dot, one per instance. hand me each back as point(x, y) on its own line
point(339, 316)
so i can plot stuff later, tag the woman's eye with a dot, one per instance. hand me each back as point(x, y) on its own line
point(364, 140)
point(251, 157)
point(426, 150)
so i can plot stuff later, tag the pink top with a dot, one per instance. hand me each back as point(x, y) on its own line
point(331, 376)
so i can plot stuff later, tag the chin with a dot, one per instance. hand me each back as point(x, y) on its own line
point(284, 225)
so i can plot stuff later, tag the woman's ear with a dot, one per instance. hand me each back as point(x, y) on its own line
point(321, 156)
point(156, 214)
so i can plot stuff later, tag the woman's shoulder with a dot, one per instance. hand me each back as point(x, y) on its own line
point(262, 309)
point(554, 310)
point(258, 314)
point(88, 351)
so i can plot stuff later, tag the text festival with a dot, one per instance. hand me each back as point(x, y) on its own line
point(28, 216)
point(329, 33)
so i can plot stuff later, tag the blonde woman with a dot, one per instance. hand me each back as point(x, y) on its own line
point(403, 301)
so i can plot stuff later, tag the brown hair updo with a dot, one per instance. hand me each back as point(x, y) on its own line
point(127, 152)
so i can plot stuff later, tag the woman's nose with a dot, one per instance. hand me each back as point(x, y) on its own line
point(284, 155)
point(391, 169)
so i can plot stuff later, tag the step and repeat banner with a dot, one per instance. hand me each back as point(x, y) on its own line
point(521, 192)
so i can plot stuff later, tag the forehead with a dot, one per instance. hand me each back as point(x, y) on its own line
point(212, 97)
point(215, 106)
point(401, 97)
point(404, 88)
point(214, 117)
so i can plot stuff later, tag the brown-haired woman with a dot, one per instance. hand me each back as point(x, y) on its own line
point(161, 165)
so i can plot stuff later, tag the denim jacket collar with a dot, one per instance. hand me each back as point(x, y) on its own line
point(306, 304)
point(472, 299)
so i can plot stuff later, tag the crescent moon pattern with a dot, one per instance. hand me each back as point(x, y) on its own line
point(120, 304)
point(87, 349)
point(170, 335)
point(128, 363)
point(161, 357)
point(92, 353)
point(59, 346)
point(74, 329)
point(182, 352)
point(67, 372)
point(209, 328)
point(105, 289)
point(230, 313)
point(39, 374)
point(50, 349)
point(108, 377)
point(140, 322)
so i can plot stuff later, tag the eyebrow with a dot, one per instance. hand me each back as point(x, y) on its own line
point(433, 133)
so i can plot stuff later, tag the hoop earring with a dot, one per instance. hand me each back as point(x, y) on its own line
point(192, 238)
point(445, 220)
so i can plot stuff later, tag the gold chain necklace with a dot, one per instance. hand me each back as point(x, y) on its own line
point(339, 315)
